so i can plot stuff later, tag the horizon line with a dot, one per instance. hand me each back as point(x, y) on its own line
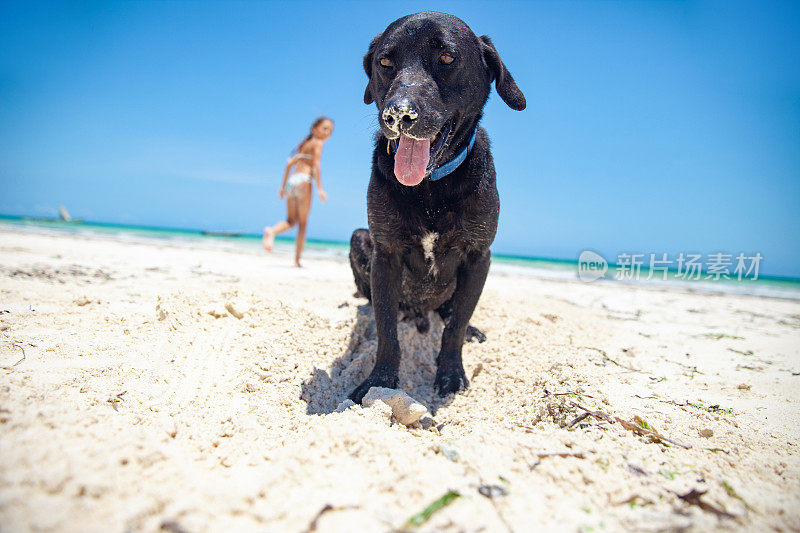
point(240, 234)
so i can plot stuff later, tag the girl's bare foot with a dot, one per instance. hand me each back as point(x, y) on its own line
point(297, 264)
point(268, 239)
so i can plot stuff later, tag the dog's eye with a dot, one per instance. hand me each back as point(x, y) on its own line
point(386, 62)
point(445, 59)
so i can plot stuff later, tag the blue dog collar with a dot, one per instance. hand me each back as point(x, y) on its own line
point(448, 168)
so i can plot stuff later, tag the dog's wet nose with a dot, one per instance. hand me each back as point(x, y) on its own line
point(399, 114)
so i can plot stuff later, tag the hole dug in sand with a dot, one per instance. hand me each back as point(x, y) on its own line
point(325, 390)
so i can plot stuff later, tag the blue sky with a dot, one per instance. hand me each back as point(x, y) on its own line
point(651, 126)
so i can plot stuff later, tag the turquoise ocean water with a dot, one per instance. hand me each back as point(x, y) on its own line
point(537, 267)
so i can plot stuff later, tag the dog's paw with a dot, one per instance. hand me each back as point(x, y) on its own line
point(387, 380)
point(450, 380)
point(474, 334)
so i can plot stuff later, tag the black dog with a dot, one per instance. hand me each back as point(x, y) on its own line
point(432, 202)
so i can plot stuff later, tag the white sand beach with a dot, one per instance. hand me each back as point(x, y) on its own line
point(151, 385)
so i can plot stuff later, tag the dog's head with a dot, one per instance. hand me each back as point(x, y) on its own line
point(430, 77)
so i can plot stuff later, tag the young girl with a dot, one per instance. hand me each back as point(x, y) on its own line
point(297, 187)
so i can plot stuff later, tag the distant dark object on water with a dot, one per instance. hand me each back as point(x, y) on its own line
point(52, 219)
point(223, 233)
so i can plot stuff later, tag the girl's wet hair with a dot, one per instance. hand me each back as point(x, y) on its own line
point(316, 123)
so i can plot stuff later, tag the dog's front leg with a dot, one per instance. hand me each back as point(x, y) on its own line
point(383, 284)
point(450, 376)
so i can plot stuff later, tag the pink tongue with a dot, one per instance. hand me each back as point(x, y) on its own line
point(411, 160)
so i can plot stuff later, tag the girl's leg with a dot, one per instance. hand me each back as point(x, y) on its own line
point(303, 208)
point(291, 219)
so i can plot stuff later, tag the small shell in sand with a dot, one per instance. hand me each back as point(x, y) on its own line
point(405, 409)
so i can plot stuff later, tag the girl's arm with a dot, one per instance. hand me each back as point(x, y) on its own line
point(315, 171)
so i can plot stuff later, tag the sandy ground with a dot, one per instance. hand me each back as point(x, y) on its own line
point(182, 387)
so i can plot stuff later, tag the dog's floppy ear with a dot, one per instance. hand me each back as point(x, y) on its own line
point(368, 98)
point(504, 82)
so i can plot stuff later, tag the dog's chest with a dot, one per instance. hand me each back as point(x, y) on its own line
point(434, 254)
point(428, 243)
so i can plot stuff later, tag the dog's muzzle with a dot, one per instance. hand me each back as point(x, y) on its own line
point(399, 116)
